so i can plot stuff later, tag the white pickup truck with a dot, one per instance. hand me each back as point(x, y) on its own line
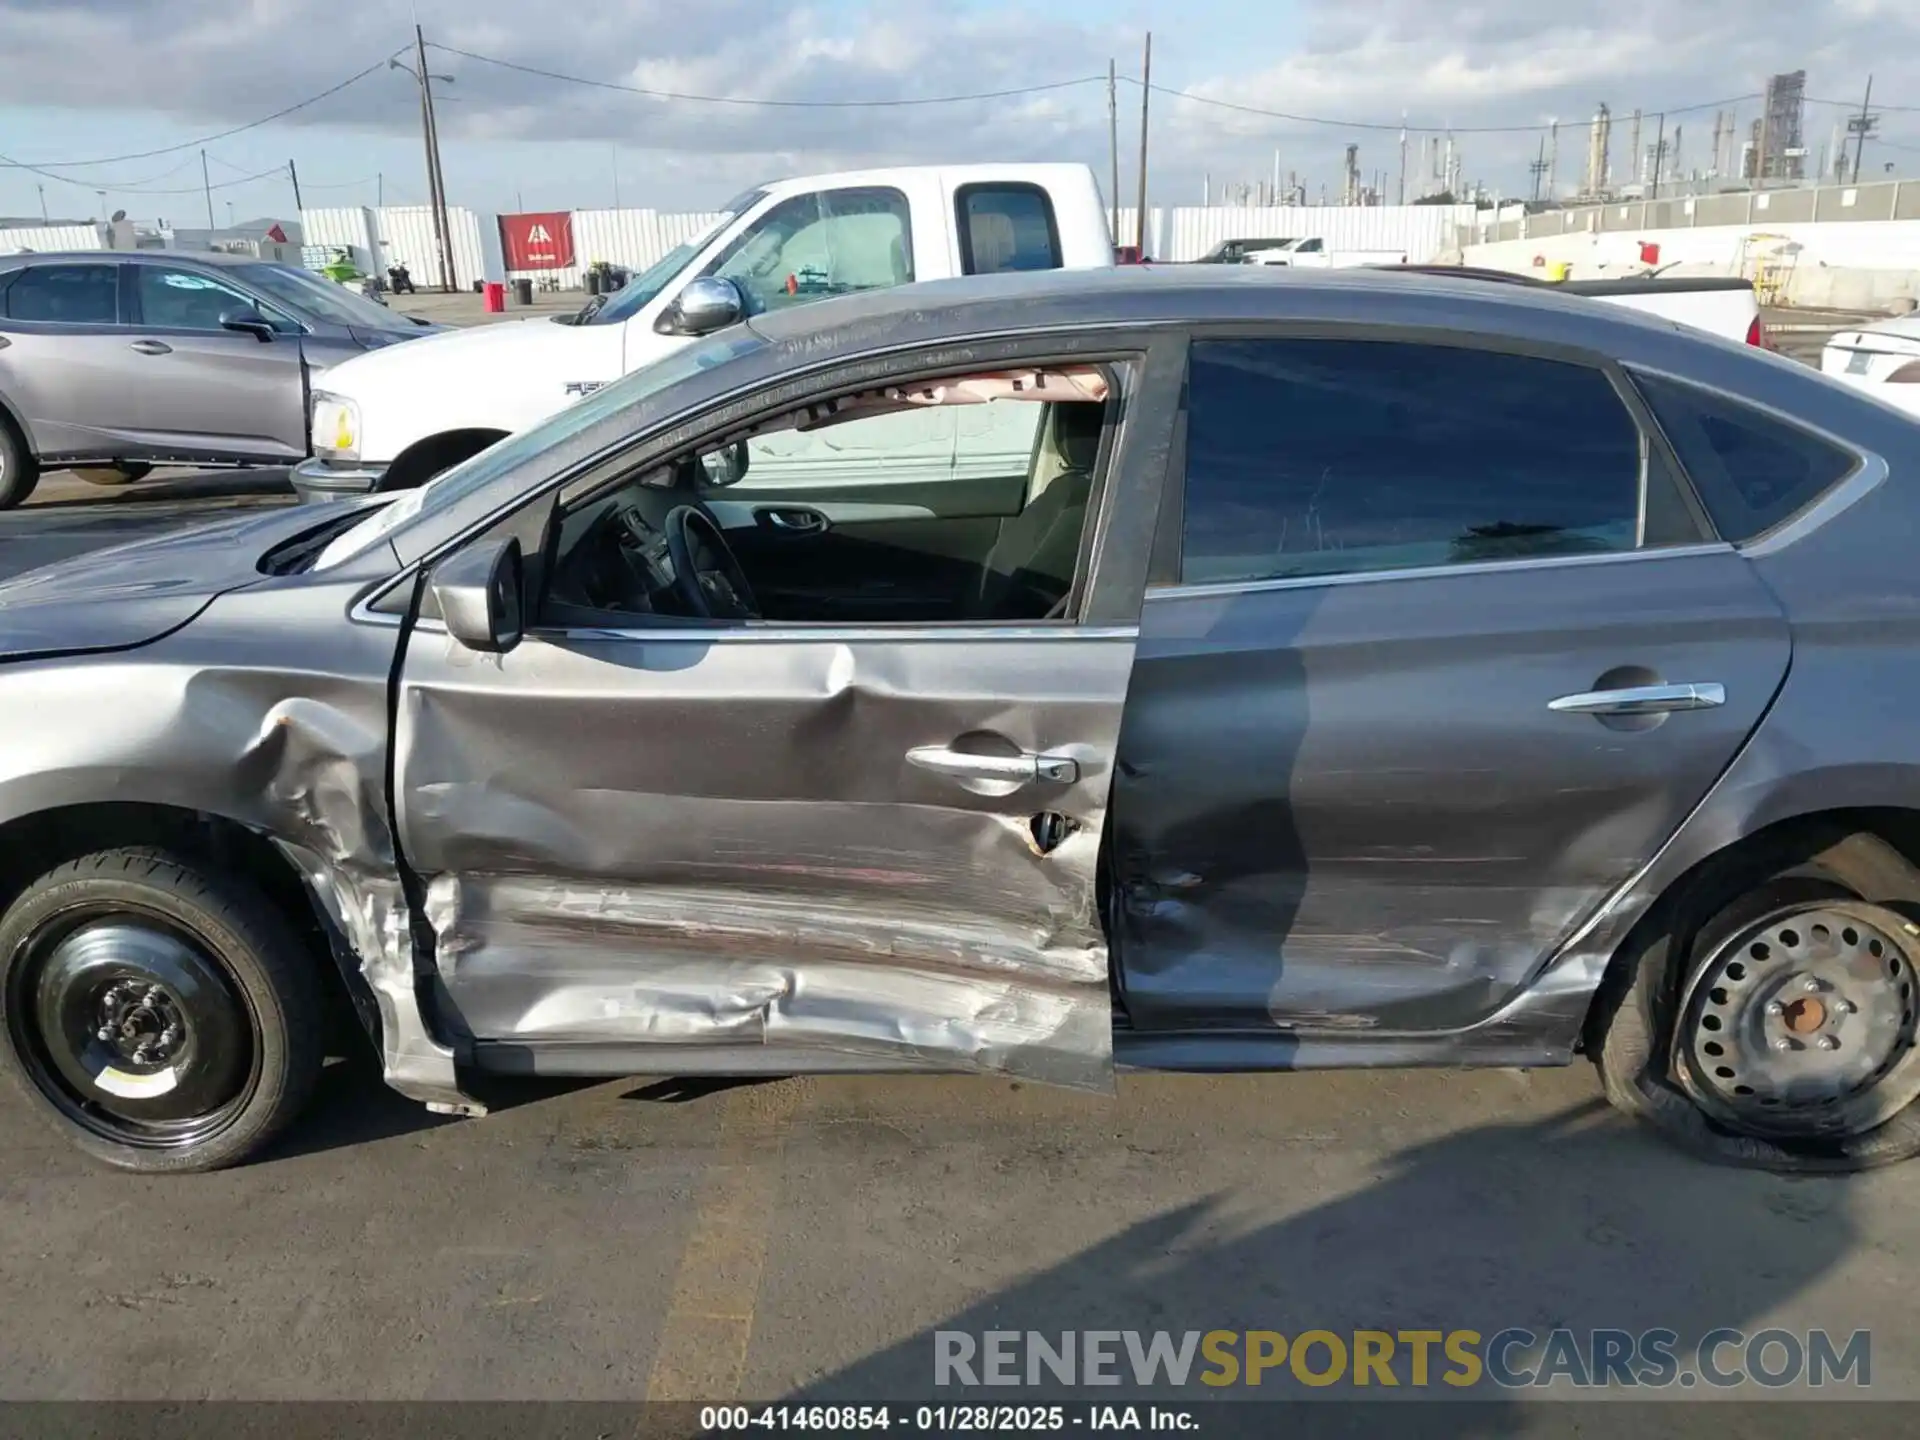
point(1312, 253)
point(393, 419)
point(391, 427)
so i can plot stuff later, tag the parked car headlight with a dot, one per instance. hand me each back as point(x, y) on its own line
point(336, 427)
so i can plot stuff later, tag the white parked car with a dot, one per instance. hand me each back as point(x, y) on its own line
point(1883, 359)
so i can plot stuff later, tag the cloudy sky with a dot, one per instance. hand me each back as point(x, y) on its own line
point(90, 79)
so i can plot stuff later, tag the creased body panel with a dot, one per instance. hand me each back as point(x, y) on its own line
point(257, 714)
point(719, 840)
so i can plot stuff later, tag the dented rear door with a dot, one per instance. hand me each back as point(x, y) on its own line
point(784, 838)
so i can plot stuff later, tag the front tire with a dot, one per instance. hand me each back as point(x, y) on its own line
point(1769, 1018)
point(163, 1017)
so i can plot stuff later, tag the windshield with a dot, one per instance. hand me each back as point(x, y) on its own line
point(632, 297)
point(308, 295)
point(490, 464)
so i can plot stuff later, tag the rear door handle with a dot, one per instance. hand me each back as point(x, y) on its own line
point(1642, 700)
point(1025, 769)
point(151, 347)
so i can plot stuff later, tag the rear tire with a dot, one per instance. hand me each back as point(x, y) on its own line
point(19, 471)
point(162, 1017)
point(1724, 1054)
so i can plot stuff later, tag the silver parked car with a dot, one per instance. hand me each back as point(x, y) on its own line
point(113, 362)
point(1203, 669)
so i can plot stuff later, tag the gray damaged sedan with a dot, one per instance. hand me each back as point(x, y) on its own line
point(1030, 675)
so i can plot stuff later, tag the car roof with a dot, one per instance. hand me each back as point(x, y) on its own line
point(1205, 294)
point(136, 257)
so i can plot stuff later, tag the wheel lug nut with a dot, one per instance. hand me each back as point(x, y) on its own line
point(105, 1032)
point(1827, 1042)
point(1845, 1007)
point(1775, 1008)
point(1783, 1044)
point(1810, 985)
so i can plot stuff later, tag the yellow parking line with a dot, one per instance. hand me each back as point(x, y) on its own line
point(703, 1342)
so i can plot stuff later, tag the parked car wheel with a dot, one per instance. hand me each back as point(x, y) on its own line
point(163, 1017)
point(1771, 1020)
point(19, 472)
point(115, 474)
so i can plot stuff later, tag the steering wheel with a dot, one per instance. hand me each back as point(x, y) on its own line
point(705, 572)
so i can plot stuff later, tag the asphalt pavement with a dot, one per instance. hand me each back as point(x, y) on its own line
point(807, 1239)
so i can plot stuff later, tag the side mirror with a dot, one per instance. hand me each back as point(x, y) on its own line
point(725, 466)
point(706, 305)
point(249, 322)
point(478, 591)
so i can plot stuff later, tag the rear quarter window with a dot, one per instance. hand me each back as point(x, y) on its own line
point(1752, 471)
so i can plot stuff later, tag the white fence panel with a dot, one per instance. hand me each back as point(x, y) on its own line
point(1420, 232)
point(349, 227)
point(43, 239)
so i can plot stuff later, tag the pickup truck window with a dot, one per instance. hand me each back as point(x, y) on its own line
point(1752, 471)
point(66, 295)
point(831, 242)
point(1006, 227)
point(1323, 457)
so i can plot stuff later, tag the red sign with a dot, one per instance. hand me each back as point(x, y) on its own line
point(541, 241)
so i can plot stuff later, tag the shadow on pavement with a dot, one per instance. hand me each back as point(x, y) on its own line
point(1570, 1222)
point(64, 491)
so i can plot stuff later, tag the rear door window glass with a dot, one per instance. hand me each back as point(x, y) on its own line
point(1006, 227)
point(1325, 457)
point(1752, 471)
point(66, 295)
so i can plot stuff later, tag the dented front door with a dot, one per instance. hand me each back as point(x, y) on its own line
point(857, 845)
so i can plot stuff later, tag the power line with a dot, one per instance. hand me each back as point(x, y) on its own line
point(100, 184)
point(767, 103)
point(46, 167)
point(1398, 125)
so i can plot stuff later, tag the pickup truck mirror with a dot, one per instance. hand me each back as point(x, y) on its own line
point(248, 321)
point(479, 594)
point(704, 306)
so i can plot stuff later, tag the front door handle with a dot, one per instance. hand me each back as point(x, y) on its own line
point(1024, 769)
point(1642, 700)
point(151, 347)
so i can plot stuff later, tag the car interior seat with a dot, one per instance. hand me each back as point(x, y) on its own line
point(1032, 562)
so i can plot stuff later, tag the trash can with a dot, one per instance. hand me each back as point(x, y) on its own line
point(496, 294)
point(523, 291)
point(592, 278)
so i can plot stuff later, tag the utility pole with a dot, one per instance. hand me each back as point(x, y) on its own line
point(43, 204)
point(294, 175)
point(380, 189)
point(1659, 154)
point(1862, 126)
point(1113, 144)
point(430, 137)
point(1146, 93)
point(614, 152)
point(1403, 157)
point(1553, 154)
point(206, 187)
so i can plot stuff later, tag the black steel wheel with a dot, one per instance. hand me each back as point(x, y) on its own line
point(165, 1020)
point(1769, 1014)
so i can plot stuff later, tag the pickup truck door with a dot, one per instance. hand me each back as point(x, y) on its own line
point(206, 393)
point(863, 846)
point(64, 363)
point(1449, 658)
